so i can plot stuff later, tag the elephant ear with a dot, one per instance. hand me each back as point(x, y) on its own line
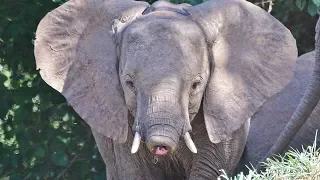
point(253, 56)
point(76, 54)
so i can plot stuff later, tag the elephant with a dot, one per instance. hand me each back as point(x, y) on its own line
point(168, 90)
point(271, 119)
point(307, 110)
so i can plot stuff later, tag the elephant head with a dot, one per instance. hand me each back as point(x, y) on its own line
point(114, 59)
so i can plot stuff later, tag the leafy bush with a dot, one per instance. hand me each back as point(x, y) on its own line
point(299, 21)
point(41, 136)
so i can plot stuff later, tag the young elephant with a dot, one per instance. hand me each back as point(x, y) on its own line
point(136, 72)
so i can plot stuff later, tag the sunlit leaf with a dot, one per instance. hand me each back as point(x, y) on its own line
point(317, 3)
point(301, 4)
point(312, 8)
point(40, 152)
point(60, 158)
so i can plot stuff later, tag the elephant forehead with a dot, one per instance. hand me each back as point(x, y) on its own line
point(165, 24)
point(164, 44)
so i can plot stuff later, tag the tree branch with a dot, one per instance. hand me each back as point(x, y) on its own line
point(263, 2)
point(61, 174)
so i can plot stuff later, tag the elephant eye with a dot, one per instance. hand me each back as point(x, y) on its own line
point(129, 83)
point(195, 85)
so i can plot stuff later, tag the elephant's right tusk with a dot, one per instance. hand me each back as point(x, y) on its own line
point(135, 143)
point(190, 143)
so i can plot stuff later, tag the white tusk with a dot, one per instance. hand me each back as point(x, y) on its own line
point(135, 143)
point(190, 143)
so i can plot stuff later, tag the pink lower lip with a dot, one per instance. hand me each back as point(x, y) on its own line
point(161, 151)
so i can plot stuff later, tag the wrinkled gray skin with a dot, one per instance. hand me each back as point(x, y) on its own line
point(162, 71)
point(306, 109)
point(270, 121)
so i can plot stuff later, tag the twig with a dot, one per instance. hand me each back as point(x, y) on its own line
point(74, 159)
point(270, 7)
point(62, 172)
point(263, 2)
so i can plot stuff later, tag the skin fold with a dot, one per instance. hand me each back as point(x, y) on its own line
point(163, 79)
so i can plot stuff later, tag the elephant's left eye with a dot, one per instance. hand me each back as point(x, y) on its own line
point(195, 86)
point(129, 82)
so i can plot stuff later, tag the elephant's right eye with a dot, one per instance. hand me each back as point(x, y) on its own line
point(130, 84)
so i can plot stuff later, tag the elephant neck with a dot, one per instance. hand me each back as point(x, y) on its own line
point(198, 120)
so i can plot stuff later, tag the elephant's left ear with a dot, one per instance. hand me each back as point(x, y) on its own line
point(253, 58)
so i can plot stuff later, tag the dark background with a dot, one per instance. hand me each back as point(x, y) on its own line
point(41, 137)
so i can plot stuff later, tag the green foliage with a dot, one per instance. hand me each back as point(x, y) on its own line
point(316, 2)
point(312, 7)
point(301, 4)
point(300, 22)
point(293, 165)
point(41, 136)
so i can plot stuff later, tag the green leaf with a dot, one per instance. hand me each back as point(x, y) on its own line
point(60, 158)
point(101, 176)
point(3, 78)
point(14, 160)
point(316, 2)
point(40, 152)
point(301, 4)
point(15, 177)
point(312, 8)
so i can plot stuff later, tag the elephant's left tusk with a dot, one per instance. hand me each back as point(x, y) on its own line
point(190, 143)
point(135, 143)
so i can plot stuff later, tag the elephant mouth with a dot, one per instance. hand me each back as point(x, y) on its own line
point(162, 145)
point(162, 135)
point(162, 140)
point(161, 150)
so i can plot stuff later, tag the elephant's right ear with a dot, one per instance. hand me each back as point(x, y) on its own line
point(253, 57)
point(77, 56)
